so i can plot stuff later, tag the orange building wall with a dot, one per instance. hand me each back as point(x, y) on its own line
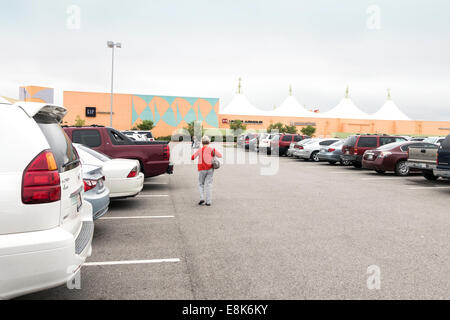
point(326, 127)
point(168, 113)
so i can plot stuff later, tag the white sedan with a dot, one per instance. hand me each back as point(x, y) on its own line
point(122, 176)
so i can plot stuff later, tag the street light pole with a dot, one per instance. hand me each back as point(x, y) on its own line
point(112, 45)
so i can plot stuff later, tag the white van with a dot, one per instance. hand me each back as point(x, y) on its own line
point(46, 228)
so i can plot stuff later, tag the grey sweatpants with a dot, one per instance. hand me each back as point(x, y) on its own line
point(205, 181)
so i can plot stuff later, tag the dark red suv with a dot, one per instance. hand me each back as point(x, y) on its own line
point(355, 146)
point(281, 142)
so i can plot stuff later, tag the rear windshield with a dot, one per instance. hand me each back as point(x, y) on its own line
point(390, 146)
point(287, 138)
point(65, 155)
point(351, 141)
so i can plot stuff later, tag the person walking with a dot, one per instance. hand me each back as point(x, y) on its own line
point(205, 170)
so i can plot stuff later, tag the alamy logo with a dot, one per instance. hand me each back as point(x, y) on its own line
point(374, 17)
point(73, 21)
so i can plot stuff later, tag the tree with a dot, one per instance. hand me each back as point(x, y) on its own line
point(79, 122)
point(290, 129)
point(276, 126)
point(145, 125)
point(308, 130)
point(194, 127)
point(237, 125)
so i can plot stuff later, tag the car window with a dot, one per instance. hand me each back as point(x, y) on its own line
point(65, 154)
point(351, 141)
point(89, 137)
point(298, 138)
point(446, 143)
point(387, 140)
point(327, 142)
point(440, 141)
point(337, 143)
point(286, 138)
point(367, 142)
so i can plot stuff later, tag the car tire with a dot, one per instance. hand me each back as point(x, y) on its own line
point(430, 176)
point(380, 171)
point(401, 168)
point(345, 162)
point(357, 165)
point(315, 156)
point(332, 162)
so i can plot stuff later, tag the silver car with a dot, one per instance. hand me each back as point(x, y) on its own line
point(95, 191)
point(332, 154)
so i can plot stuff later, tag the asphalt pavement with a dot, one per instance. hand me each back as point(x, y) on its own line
point(304, 231)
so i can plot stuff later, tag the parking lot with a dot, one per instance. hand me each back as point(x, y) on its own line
point(310, 231)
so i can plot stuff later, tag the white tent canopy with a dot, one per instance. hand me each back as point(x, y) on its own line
point(389, 111)
point(291, 108)
point(239, 105)
point(345, 109)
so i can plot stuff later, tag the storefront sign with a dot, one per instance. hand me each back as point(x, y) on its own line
point(91, 112)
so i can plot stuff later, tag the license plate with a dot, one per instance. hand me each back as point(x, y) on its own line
point(422, 165)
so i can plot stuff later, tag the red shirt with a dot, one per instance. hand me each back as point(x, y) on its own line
point(205, 155)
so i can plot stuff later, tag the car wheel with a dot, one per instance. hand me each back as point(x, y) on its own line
point(429, 175)
point(315, 156)
point(345, 162)
point(401, 168)
point(357, 165)
point(380, 171)
point(332, 162)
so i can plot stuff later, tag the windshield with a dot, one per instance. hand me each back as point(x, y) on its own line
point(100, 156)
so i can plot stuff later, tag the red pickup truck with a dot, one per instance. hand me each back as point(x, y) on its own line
point(154, 156)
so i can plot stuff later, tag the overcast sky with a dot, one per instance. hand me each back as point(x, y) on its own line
point(201, 48)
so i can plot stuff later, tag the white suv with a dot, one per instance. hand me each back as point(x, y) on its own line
point(46, 228)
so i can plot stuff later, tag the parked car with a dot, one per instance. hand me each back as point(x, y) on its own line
point(147, 134)
point(254, 143)
point(424, 158)
point(153, 156)
point(443, 163)
point(332, 153)
point(240, 140)
point(310, 151)
point(122, 176)
point(281, 142)
point(264, 143)
point(247, 138)
point(391, 157)
point(434, 140)
point(355, 146)
point(135, 136)
point(95, 191)
point(46, 228)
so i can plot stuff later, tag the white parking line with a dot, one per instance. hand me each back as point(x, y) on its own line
point(151, 195)
point(149, 183)
point(425, 188)
point(112, 263)
point(136, 217)
point(346, 171)
point(380, 178)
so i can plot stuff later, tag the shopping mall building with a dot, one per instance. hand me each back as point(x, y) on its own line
point(170, 113)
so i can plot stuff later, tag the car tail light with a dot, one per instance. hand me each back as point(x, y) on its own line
point(133, 173)
point(89, 184)
point(355, 151)
point(41, 183)
point(331, 149)
point(298, 147)
point(166, 152)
